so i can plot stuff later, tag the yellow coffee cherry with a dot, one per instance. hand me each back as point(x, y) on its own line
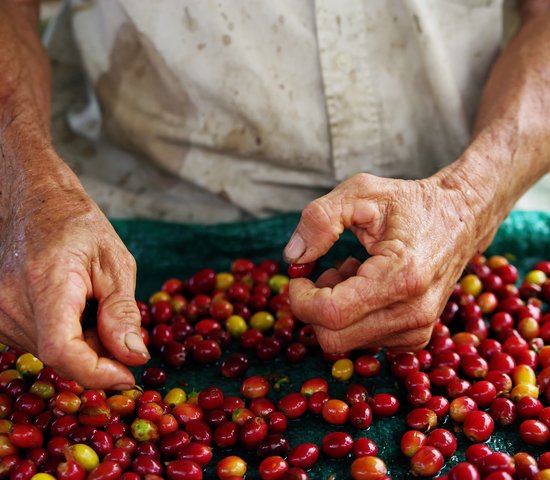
point(42, 476)
point(497, 261)
point(44, 390)
point(342, 369)
point(28, 365)
point(262, 321)
point(133, 393)
point(278, 281)
point(523, 390)
point(471, 284)
point(542, 475)
point(175, 396)
point(528, 328)
point(538, 277)
point(84, 455)
point(158, 296)
point(236, 325)
point(224, 280)
point(5, 426)
point(524, 374)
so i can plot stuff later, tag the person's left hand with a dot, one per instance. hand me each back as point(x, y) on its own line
point(419, 234)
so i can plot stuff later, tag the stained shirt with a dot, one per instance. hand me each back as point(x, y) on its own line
point(266, 105)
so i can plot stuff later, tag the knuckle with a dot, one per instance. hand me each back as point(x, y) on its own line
point(120, 258)
point(130, 263)
point(419, 320)
point(317, 211)
point(416, 280)
point(330, 314)
point(362, 180)
point(49, 353)
point(329, 340)
point(123, 307)
point(420, 339)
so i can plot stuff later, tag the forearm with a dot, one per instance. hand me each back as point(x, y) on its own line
point(27, 159)
point(510, 149)
point(25, 82)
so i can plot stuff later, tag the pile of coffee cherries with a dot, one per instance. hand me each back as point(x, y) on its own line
point(486, 369)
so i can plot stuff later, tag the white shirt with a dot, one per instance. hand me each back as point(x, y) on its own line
point(269, 104)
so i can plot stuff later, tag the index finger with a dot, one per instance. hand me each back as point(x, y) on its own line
point(118, 319)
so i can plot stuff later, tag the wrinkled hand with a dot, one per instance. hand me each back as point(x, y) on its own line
point(57, 250)
point(419, 235)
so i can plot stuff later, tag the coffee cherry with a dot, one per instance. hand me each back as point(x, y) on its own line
point(254, 387)
point(496, 462)
point(83, 455)
point(184, 469)
point(534, 432)
point(300, 270)
point(463, 471)
point(206, 351)
point(483, 393)
point(367, 366)
point(529, 408)
point(335, 412)
point(363, 447)
point(273, 444)
point(356, 393)
point(230, 467)
point(503, 411)
point(526, 465)
point(460, 407)
point(226, 435)
point(368, 468)
point(422, 419)
point(478, 426)
point(384, 405)
point(443, 440)
point(272, 468)
point(337, 444)
point(411, 441)
point(342, 369)
point(252, 432)
point(427, 461)
point(360, 415)
point(304, 455)
point(313, 385)
point(25, 436)
point(234, 365)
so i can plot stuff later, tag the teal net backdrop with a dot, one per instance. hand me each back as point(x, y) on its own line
point(165, 250)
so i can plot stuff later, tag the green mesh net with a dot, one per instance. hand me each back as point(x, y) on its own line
point(165, 250)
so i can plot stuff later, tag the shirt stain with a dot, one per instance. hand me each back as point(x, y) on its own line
point(189, 21)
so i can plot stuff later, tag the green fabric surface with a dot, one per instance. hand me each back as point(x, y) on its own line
point(165, 250)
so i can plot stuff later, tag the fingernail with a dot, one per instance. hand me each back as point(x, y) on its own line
point(134, 342)
point(295, 247)
point(123, 386)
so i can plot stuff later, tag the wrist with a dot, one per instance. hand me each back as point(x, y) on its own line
point(474, 184)
point(31, 171)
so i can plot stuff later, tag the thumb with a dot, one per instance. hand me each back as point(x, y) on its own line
point(320, 226)
point(358, 201)
point(118, 318)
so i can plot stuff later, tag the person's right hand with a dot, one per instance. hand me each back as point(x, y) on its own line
point(57, 251)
